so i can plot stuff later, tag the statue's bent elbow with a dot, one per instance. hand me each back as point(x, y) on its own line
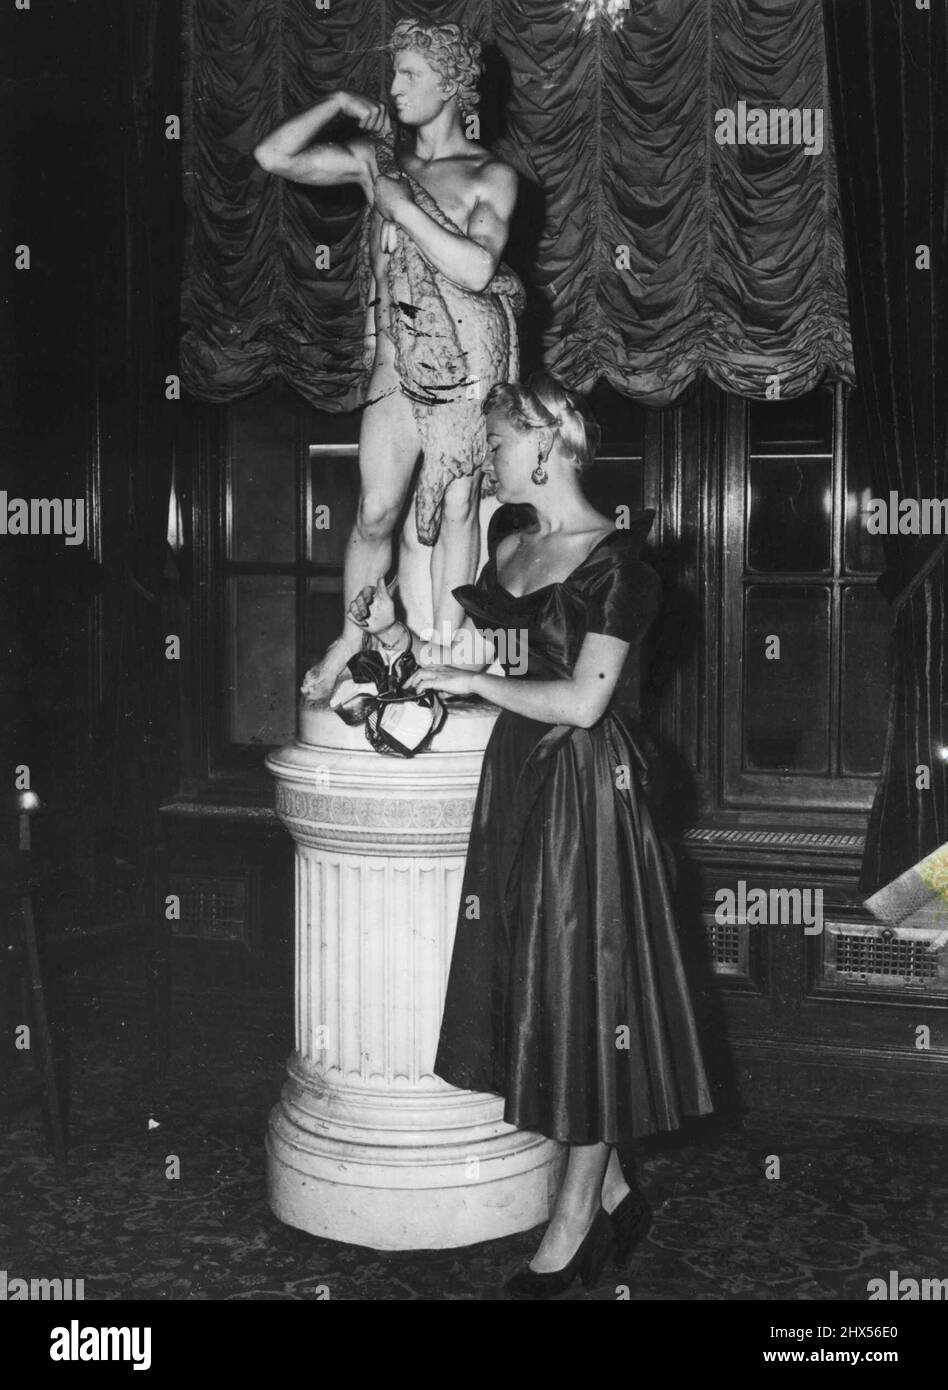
point(267, 158)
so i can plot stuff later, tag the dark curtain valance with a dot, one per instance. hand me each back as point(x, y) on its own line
point(734, 264)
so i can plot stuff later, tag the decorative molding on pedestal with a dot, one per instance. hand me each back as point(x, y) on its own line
point(367, 1145)
point(343, 818)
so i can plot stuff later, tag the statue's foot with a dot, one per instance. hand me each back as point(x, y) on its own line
point(319, 681)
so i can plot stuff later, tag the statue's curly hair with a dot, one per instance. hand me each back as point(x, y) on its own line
point(451, 49)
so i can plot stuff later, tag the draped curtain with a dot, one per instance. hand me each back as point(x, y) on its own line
point(889, 67)
point(653, 254)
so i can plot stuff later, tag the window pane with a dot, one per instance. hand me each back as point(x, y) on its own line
point(867, 632)
point(263, 480)
point(786, 699)
point(324, 609)
point(862, 551)
point(334, 482)
point(791, 512)
point(262, 659)
point(800, 426)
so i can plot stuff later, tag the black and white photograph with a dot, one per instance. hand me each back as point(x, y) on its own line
point(474, 719)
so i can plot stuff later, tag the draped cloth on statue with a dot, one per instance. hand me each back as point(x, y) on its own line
point(451, 346)
point(567, 993)
point(654, 255)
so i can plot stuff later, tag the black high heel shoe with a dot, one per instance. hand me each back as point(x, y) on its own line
point(631, 1221)
point(587, 1262)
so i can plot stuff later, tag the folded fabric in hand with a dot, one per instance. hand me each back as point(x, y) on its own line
point(397, 721)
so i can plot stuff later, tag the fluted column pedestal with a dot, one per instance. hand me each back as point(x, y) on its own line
point(367, 1145)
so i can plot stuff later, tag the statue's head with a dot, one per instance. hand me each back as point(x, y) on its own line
point(434, 64)
point(536, 424)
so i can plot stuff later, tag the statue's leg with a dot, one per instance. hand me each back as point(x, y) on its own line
point(428, 573)
point(455, 552)
point(389, 445)
point(414, 577)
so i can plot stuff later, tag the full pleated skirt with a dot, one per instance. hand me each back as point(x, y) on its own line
point(566, 992)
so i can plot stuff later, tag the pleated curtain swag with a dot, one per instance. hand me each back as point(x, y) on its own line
point(655, 252)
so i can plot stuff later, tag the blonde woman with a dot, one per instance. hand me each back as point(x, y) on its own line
point(566, 993)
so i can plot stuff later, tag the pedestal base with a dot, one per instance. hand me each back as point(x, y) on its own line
point(367, 1145)
point(451, 1174)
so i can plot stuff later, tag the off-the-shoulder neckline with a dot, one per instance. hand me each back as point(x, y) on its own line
point(557, 583)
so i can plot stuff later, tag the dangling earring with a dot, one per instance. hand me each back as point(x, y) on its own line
point(538, 475)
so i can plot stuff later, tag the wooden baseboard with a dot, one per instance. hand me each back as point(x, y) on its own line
point(821, 1079)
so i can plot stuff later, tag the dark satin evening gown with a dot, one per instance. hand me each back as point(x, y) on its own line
point(566, 993)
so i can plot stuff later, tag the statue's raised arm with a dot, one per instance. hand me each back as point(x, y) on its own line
point(290, 153)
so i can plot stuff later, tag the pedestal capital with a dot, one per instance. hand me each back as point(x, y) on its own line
point(335, 791)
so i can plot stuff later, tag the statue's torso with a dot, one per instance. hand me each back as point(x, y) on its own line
point(455, 185)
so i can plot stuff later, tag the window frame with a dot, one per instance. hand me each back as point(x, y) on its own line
point(795, 792)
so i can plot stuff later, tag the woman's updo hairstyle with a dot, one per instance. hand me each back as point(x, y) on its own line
point(541, 402)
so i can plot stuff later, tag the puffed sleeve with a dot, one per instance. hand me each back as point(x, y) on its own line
point(624, 595)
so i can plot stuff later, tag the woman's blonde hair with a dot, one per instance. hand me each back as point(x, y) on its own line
point(542, 402)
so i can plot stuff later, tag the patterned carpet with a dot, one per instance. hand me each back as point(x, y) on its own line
point(854, 1200)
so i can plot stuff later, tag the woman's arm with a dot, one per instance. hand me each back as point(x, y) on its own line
point(469, 649)
point(580, 699)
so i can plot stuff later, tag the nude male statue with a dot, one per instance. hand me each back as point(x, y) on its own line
point(440, 308)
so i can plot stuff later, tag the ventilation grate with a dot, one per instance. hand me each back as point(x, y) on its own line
point(875, 956)
point(212, 907)
point(727, 942)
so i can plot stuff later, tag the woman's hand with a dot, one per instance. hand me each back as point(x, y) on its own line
point(446, 679)
point(373, 608)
